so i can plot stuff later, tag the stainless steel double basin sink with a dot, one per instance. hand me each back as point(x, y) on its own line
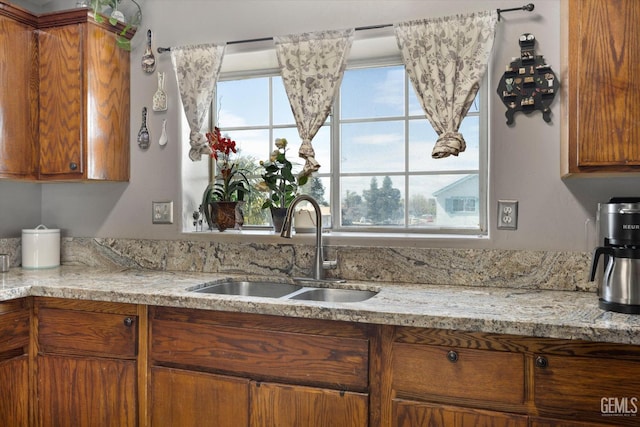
point(291, 291)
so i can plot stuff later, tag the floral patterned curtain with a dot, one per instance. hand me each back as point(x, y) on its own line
point(197, 69)
point(312, 65)
point(446, 59)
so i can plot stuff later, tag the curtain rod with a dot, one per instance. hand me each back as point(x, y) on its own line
point(527, 7)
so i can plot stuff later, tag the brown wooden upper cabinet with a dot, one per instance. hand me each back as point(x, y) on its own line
point(18, 94)
point(601, 109)
point(84, 100)
point(64, 97)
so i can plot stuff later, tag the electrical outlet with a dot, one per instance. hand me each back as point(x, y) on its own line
point(162, 213)
point(507, 214)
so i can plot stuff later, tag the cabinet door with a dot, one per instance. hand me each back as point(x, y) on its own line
point(107, 109)
point(548, 422)
point(18, 100)
point(411, 414)
point(182, 398)
point(61, 100)
point(603, 65)
point(76, 391)
point(14, 389)
point(295, 406)
point(591, 388)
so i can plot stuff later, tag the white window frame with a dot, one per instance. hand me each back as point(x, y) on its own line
point(368, 52)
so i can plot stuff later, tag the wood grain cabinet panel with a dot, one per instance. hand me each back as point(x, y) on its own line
point(293, 406)
point(603, 62)
point(266, 354)
point(14, 363)
point(87, 365)
point(182, 398)
point(18, 98)
point(86, 391)
point(549, 422)
point(572, 385)
point(84, 102)
point(412, 414)
point(299, 372)
point(458, 373)
point(89, 333)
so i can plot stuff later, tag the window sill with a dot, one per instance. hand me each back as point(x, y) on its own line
point(345, 238)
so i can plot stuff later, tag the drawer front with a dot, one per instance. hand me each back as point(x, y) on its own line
point(87, 333)
point(335, 362)
point(595, 386)
point(431, 371)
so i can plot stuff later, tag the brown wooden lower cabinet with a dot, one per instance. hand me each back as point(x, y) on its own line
point(548, 422)
point(292, 406)
point(86, 391)
point(181, 398)
point(411, 414)
point(14, 363)
point(86, 364)
point(109, 364)
point(285, 372)
point(14, 389)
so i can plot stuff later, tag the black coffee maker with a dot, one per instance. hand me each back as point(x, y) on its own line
point(618, 224)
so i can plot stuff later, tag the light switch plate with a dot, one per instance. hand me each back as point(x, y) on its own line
point(162, 213)
point(507, 214)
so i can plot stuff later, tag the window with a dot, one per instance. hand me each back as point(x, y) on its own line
point(377, 173)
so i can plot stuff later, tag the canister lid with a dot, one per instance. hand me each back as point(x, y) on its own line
point(41, 229)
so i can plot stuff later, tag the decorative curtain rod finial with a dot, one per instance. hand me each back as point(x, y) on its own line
point(527, 8)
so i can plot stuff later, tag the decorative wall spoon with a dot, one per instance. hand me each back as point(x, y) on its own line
point(160, 97)
point(163, 136)
point(148, 60)
point(143, 134)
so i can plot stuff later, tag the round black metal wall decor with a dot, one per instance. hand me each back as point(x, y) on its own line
point(528, 84)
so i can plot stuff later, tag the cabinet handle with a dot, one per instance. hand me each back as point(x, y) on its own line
point(128, 321)
point(541, 362)
point(73, 166)
point(452, 356)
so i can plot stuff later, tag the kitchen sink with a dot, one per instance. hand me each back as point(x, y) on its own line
point(251, 289)
point(334, 295)
point(292, 291)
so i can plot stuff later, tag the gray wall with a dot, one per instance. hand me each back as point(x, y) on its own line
point(524, 159)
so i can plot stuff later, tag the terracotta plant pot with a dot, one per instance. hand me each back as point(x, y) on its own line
point(223, 214)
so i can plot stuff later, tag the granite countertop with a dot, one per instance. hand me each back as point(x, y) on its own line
point(540, 313)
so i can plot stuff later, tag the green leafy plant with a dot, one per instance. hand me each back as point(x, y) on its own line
point(278, 178)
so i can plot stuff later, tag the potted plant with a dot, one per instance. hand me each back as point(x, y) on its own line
point(280, 182)
point(221, 197)
point(128, 15)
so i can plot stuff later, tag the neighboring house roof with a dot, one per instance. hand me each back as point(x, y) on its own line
point(454, 184)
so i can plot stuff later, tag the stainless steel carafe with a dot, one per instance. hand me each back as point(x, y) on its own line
point(618, 280)
point(619, 289)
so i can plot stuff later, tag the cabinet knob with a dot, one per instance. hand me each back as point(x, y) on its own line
point(128, 321)
point(73, 166)
point(541, 362)
point(452, 356)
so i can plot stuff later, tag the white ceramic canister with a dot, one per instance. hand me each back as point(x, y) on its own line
point(40, 247)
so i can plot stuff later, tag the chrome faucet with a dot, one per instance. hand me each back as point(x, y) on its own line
point(319, 264)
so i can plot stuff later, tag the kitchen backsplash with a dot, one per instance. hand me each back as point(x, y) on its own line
point(466, 267)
